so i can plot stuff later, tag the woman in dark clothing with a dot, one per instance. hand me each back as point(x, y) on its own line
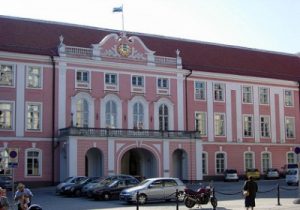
point(250, 186)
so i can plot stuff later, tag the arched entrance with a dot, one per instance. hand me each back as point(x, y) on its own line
point(139, 162)
point(93, 162)
point(180, 164)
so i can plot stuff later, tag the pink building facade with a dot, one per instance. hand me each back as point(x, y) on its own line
point(76, 100)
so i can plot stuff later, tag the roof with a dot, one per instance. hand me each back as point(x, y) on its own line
point(42, 38)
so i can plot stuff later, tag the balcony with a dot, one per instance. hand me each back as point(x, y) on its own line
point(128, 133)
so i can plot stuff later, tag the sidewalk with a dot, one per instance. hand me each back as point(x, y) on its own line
point(261, 204)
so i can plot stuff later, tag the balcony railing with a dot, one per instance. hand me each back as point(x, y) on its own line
point(127, 133)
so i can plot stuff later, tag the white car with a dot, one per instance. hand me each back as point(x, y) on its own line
point(292, 176)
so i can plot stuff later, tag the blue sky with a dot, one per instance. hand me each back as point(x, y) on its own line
point(263, 24)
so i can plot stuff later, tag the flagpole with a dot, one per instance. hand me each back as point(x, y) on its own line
point(123, 19)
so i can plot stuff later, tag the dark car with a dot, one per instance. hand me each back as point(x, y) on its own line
point(112, 190)
point(74, 189)
point(67, 181)
point(6, 182)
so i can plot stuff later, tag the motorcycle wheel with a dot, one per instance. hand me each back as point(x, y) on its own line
point(214, 202)
point(189, 202)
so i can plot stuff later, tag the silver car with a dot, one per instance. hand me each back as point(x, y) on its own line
point(155, 189)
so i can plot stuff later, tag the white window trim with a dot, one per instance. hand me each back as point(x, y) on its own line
point(291, 96)
point(287, 156)
point(270, 129)
point(116, 86)
point(223, 85)
point(253, 159)
point(261, 160)
point(170, 106)
point(14, 75)
point(145, 104)
point(141, 89)
point(225, 161)
point(225, 126)
point(40, 119)
point(41, 77)
point(286, 117)
point(252, 125)
point(89, 78)
point(91, 102)
point(118, 102)
point(206, 163)
point(199, 112)
point(268, 98)
point(243, 94)
point(40, 162)
point(205, 90)
point(13, 115)
point(158, 89)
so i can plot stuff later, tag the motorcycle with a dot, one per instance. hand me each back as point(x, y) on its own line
point(202, 196)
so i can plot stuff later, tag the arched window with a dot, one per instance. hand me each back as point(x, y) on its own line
point(163, 117)
point(220, 163)
point(82, 113)
point(111, 114)
point(33, 162)
point(138, 115)
point(248, 157)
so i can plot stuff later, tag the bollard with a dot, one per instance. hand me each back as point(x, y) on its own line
point(278, 195)
point(177, 199)
point(137, 200)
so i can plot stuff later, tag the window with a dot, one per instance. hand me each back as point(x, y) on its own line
point(163, 83)
point(33, 116)
point(4, 169)
point(82, 76)
point(6, 115)
point(163, 117)
point(34, 77)
point(111, 114)
point(264, 95)
point(265, 126)
point(111, 79)
point(138, 115)
point(204, 163)
point(219, 124)
point(290, 127)
point(265, 158)
point(200, 90)
point(82, 113)
point(6, 75)
point(219, 92)
point(248, 160)
point(200, 123)
point(288, 98)
point(248, 125)
point(247, 94)
point(137, 81)
point(291, 158)
point(220, 163)
point(33, 163)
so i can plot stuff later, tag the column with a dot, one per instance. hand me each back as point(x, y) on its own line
point(20, 100)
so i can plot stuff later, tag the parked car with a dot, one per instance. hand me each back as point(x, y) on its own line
point(105, 181)
point(113, 189)
point(69, 180)
point(154, 189)
point(272, 173)
point(231, 175)
point(74, 189)
point(292, 176)
point(253, 172)
point(286, 167)
point(6, 182)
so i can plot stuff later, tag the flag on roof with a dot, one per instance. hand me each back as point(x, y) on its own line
point(118, 9)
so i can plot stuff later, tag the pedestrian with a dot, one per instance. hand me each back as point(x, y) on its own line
point(250, 189)
point(23, 196)
point(4, 204)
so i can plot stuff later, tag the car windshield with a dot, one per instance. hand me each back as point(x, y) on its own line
point(143, 182)
point(68, 179)
point(83, 181)
point(231, 171)
point(291, 172)
point(113, 183)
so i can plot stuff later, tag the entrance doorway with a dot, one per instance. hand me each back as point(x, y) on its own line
point(93, 163)
point(180, 164)
point(139, 162)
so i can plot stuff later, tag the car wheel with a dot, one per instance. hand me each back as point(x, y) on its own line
point(180, 196)
point(142, 199)
point(106, 196)
point(77, 193)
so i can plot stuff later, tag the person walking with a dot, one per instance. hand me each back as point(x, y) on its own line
point(23, 196)
point(250, 189)
point(4, 204)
